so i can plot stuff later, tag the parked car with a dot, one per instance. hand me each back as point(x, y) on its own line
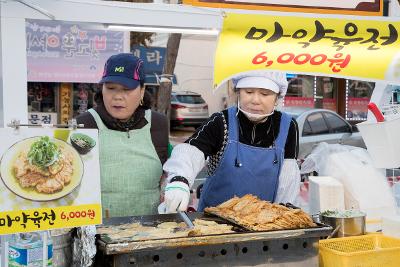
point(188, 109)
point(322, 125)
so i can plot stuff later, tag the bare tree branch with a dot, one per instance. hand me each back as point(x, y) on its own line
point(163, 102)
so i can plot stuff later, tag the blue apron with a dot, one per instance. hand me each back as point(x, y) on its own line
point(245, 169)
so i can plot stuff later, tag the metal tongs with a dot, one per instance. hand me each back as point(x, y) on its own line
point(186, 219)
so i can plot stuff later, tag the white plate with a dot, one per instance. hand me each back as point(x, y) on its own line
point(11, 182)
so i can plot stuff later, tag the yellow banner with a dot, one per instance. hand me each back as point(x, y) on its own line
point(49, 218)
point(364, 49)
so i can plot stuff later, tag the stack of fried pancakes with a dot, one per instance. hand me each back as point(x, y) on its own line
point(259, 215)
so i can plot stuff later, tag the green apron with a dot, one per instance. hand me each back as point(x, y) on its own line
point(130, 170)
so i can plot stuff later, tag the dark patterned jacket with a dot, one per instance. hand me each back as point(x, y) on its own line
point(212, 137)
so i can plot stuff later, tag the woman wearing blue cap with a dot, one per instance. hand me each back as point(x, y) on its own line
point(133, 139)
point(251, 149)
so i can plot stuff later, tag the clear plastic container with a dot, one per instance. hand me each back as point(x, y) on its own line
point(391, 226)
point(396, 192)
point(26, 250)
point(382, 142)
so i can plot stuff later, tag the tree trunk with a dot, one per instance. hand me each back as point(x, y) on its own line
point(163, 101)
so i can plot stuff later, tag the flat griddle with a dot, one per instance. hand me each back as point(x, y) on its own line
point(241, 234)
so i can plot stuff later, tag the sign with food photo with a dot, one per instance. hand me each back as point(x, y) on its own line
point(50, 178)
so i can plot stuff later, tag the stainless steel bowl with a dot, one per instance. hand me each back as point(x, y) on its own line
point(349, 226)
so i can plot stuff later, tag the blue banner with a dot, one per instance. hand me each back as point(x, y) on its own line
point(153, 58)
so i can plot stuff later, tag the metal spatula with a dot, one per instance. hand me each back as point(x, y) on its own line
point(186, 219)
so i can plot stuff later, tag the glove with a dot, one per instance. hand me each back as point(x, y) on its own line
point(177, 196)
point(162, 208)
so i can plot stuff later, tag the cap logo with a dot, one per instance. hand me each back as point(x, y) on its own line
point(119, 69)
point(125, 69)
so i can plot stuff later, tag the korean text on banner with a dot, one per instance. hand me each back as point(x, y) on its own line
point(45, 182)
point(60, 51)
point(339, 46)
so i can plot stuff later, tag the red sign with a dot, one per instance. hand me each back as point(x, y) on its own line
point(293, 101)
point(329, 103)
point(336, 62)
point(357, 108)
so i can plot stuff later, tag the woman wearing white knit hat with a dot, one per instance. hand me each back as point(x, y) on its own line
point(251, 149)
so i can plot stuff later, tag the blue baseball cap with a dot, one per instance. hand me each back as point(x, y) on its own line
point(125, 69)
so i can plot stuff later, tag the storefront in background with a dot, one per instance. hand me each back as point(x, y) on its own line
point(300, 92)
point(58, 102)
point(326, 93)
point(349, 98)
point(358, 94)
point(50, 102)
point(42, 103)
point(65, 62)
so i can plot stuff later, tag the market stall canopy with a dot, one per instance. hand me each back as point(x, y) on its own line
point(350, 7)
point(323, 45)
point(103, 14)
point(114, 13)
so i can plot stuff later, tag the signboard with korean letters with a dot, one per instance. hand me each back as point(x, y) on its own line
point(153, 58)
point(60, 51)
point(322, 45)
point(50, 178)
point(39, 118)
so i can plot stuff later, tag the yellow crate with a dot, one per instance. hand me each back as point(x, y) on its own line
point(374, 250)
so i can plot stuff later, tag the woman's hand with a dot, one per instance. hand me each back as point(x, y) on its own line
point(177, 196)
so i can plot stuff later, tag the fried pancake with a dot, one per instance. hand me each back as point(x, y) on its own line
point(259, 215)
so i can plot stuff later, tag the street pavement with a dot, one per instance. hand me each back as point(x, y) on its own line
point(179, 135)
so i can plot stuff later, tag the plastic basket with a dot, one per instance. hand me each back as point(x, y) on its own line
point(374, 250)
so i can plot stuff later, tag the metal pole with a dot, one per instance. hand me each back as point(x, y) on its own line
point(45, 254)
point(4, 250)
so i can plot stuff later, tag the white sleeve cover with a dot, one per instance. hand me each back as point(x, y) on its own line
point(289, 183)
point(186, 160)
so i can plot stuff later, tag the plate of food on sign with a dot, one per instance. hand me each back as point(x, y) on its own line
point(41, 168)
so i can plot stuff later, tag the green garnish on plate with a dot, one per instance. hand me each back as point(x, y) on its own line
point(43, 153)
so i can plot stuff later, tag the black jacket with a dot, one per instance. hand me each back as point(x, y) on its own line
point(211, 137)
